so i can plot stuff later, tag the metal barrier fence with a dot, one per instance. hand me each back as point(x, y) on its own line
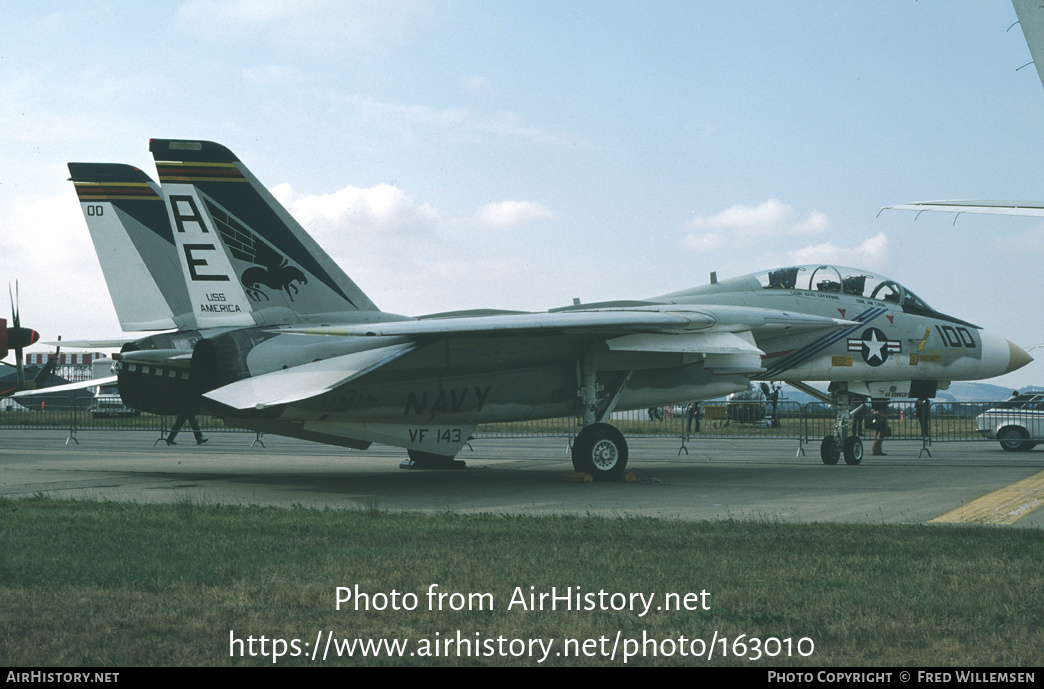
point(716, 420)
point(808, 423)
point(80, 416)
point(944, 421)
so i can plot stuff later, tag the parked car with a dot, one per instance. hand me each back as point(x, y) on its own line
point(107, 402)
point(1018, 423)
point(8, 404)
point(749, 406)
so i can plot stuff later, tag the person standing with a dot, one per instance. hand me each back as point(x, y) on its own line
point(858, 415)
point(923, 407)
point(693, 415)
point(878, 423)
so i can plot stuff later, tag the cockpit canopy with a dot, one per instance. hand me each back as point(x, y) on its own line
point(841, 280)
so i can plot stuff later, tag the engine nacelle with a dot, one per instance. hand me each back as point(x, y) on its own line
point(154, 374)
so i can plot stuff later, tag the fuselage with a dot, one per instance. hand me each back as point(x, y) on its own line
point(895, 335)
point(885, 342)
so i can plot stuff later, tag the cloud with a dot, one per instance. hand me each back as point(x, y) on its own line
point(47, 231)
point(512, 213)
point(770, 216)
point(871, 253)
point(386, 210)
point(382, 209)
point(706, 241)
point(738, 224)
point(410, 258)
point(47, 249)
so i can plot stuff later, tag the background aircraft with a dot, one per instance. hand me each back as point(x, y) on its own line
point(277, 338)
point(17, 338)
point(13, 378)
point(1031, 20)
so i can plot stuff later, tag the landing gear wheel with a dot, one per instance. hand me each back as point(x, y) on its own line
point(600, 450)
point(430, 460)
point(829, 450)
point(853, 449)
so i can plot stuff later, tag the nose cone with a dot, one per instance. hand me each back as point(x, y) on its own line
point(1017, 357)
point(999, 356)
point(21, 337)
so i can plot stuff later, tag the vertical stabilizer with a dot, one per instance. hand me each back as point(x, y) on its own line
point(128, 223)
point(244, 255)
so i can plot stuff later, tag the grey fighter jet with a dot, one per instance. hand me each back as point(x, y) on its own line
point(272, 335)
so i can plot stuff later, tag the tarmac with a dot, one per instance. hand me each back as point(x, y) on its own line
point(712, 479)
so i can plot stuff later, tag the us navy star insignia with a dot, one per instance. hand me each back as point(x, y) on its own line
point(875, 346)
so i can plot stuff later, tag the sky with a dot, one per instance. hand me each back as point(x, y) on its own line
point(467, 154)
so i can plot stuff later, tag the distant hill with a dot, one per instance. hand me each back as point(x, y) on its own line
point(975, 392)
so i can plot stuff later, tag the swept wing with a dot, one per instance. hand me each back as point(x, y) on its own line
point(724, 335)
point(656, 319)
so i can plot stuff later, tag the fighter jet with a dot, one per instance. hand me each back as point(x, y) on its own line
point(272, 335)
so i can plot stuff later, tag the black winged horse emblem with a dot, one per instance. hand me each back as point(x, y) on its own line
point(271, 269)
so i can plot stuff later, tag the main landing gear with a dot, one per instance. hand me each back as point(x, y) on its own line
point(599, 449)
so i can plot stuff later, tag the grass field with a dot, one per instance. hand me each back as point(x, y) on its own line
point(117, 584)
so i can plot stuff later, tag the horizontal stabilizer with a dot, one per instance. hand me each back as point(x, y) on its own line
point(68, 387)
point(302, 382)
point(90, 344)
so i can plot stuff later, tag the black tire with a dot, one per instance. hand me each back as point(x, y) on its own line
point(829, 450)
point(601, 451)
point(1013, 439)
point(853, 450)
